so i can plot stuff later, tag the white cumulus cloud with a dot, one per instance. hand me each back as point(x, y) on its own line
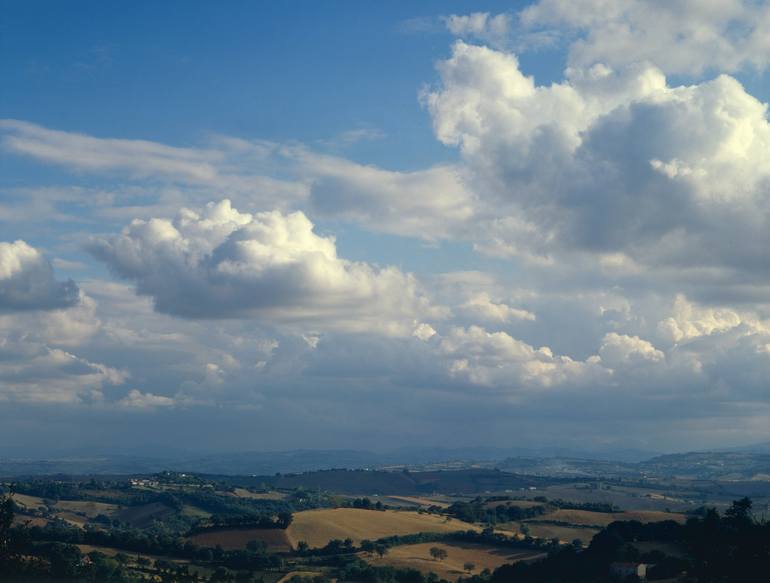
point(219, 262)
point(27, 280)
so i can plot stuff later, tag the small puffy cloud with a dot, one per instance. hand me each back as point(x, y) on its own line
point(689, 320)
point(27, 281)
point(620, 350)
point(482, 26)
point(423, 331)
point(481, 307)
point(220, 263)
point(137, 400)
point(496, 359)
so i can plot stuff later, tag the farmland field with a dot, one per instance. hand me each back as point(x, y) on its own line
point(30, 502)
point(564, 533)
point(88, 508)
point(318, 527)
point(275, 539)
point(417, 501)
point(483, 557)
point(244, 493)
point(143, 515)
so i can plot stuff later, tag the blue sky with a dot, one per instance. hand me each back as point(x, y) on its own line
point(313, 223)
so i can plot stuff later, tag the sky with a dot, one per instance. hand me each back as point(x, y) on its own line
point(368, 225)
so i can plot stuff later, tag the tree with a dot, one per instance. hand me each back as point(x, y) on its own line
point(302, 546)
point(143, 562)
point(256, 546)
point(740, 510)
point(469, 567)
point(367, 546)
point(6, 520)
point(284, 519)
point(381, 550)
point(438, 553)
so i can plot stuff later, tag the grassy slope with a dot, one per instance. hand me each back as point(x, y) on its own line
point(483, 557)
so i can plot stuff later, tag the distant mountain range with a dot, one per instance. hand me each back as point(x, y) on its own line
point(752, 462)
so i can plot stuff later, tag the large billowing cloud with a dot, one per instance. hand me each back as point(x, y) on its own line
point(27, 281)
point(222, 263)
point(609, 161)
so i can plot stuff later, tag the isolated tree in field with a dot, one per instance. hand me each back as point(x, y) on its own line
point(438, 553)
point(367, 546)
point(469, 567)
point(284, 519)
point(381, 550)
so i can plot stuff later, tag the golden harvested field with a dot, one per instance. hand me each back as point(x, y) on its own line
point(276, 539)
point(318, 527)
point(420, 501)
point(29, 520)
point(109, 551)
point(483, 557)
point(72, 518)
point(31, 502)
point(565, 534)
